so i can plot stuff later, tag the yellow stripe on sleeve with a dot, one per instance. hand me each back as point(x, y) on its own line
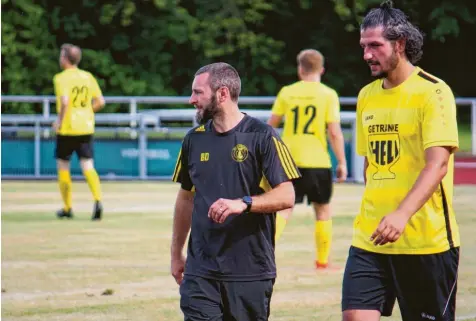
point(282, 159)
point(178, 166)
point(290, 160)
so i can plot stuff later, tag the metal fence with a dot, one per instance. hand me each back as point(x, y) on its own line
point(147, 152)
point(133, 101)
point(134, 150)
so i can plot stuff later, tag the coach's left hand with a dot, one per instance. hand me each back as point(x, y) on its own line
point(223, 208)
point(390, 229)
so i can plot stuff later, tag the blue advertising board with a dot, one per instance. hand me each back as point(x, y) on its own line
point(112, 158)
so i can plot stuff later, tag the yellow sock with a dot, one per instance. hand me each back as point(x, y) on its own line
point(65, 187)
point(323, 238)
point(94, 185)
point(280, 224)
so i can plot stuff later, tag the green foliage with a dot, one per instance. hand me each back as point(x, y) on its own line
point(153, 47)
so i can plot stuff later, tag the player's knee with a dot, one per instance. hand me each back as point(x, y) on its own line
point(360, 315)
point(323, 211)
point(62, 165)
point(86, 164)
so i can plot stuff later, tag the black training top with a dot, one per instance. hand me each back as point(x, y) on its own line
point(247, 160)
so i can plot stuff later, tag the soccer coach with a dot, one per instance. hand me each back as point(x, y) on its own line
point(235, 174)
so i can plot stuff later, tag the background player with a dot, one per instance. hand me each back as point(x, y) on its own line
point(235, 173)
point(310, 108)
point(406, 239)
point(78, 97)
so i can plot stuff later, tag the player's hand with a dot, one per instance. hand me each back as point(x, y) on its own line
point(177, 267)
point(223, 208)
point(56, 126)
point(341, 172)
point(390, 229)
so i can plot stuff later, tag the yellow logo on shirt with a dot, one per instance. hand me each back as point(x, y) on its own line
point(204, 157)
point(384, 153)
point(239, 153)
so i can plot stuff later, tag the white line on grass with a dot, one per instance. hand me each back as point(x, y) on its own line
point(467, 317)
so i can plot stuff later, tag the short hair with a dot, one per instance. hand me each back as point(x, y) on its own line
point(222, 74)
point(396, 25)
point(72, 53)
point(310, 60)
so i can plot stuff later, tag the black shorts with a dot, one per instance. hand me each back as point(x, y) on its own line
point(66, 145)
point(425, 285)
point(212, 300)
point(315, 183)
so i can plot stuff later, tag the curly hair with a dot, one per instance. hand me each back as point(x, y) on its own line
point(396, 25)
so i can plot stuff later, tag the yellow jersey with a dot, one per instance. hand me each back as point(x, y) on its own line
point(394, 128)
point(80, 87)
point(307, 107)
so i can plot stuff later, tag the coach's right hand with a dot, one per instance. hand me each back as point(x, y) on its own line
point(177, 268)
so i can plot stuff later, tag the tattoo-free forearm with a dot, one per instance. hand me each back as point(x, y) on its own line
point(181, 222)
point(337, 144)
point(279, 198)
point(426, 184)
point(61, 114)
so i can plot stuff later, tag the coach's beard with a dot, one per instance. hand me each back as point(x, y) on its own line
point(208, 112)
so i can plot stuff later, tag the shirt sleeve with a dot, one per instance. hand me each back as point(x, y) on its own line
point(360, 135)
point(278, 165)
point(333, 109)
point(279, 105)
point(439, 124)
point(181, 174)
point(95, 89)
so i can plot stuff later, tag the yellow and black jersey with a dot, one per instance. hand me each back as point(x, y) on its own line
point(307, 107)
point(247, 160)
point(394, 128)
point(80, 87)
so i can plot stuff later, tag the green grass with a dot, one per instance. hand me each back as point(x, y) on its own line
point(59, 269)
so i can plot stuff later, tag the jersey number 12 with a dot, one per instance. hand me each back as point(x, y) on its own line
point(310, 113)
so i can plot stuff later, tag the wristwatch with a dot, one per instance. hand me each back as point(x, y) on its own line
point(248, 201)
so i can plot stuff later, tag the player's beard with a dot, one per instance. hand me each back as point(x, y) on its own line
point(391, 64)
point(208, 111)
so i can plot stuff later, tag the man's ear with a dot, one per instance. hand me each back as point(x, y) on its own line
point(400, 45)
point(222, 93)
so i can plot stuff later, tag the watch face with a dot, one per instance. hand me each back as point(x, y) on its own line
point(247, 199)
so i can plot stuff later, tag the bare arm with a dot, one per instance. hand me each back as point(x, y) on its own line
point(430, 177)
point(391, 227)
point(279, 198)
point(63, 109)
point(337, 143)
point(182, 222)
point(275, 120)
point(98, 103)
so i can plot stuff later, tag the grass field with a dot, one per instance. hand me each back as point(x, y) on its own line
point(60, 270)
